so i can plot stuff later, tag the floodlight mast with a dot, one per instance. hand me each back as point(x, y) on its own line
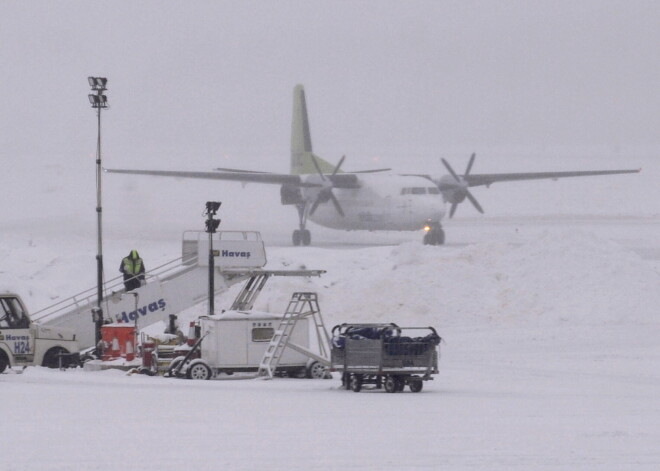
point(98, 101)
point(211, 226)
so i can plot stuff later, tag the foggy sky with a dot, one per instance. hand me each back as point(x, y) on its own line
point(207, 83)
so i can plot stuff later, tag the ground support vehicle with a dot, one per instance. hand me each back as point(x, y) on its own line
point(384, 355)
point(266, 344)
point(26, 343)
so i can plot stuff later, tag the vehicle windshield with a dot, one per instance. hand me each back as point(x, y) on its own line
point(12, 315)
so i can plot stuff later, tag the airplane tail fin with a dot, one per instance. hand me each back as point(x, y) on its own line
point(301, 140)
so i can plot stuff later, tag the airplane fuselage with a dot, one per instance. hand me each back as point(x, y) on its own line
point(382, 203)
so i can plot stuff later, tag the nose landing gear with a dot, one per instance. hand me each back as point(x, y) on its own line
point(434, 235)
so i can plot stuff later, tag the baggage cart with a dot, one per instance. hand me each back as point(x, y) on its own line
point(384, 355)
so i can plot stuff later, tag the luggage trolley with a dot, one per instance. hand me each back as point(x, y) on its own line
point(384, 355)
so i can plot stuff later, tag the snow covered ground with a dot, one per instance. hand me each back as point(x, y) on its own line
point(550, 362)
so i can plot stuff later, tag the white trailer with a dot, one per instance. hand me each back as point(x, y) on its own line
point(236, 341)
point(252, 341)
point(26, 343)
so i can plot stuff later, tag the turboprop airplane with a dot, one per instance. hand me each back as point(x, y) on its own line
point(364, 200)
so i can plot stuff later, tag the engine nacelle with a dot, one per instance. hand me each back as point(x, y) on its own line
point(290, 195)
point(452, 191)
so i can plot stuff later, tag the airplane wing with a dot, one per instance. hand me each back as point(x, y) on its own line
point(454, 188)
point(487, 179)
point(375, 170)
point(238, 170)
point(341, 180)
point(476, 179)
point(232, 175)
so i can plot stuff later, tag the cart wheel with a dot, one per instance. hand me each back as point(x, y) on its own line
point(416, 385)
point(400, 383)
point(356, 383)
point(346, 381)
point(391, 384)
point(316, 371)
point(199, 371)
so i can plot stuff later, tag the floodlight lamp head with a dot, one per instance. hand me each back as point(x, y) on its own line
point(98, 101)
point(212, 225)
point(97, 83)
point(212, 207)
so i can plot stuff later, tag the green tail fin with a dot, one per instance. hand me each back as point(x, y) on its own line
point(301, 140)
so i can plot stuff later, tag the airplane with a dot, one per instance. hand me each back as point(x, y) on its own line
point(371, 200)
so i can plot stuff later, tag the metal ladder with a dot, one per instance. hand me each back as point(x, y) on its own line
point(248, 294)
point(301, 305)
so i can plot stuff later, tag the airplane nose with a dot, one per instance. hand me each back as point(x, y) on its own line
point(435, 209)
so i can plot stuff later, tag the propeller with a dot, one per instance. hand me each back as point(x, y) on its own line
point(457, 190)
point(325, 193)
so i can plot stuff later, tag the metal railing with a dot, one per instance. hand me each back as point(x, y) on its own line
point(114, 286)
point(164, 272)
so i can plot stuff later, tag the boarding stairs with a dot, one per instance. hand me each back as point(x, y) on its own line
point(301, 305)
point(172, 287)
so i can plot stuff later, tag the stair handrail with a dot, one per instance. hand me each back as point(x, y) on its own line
point(113, 286)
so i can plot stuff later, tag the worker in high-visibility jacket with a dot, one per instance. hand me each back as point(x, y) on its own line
point(132, 266)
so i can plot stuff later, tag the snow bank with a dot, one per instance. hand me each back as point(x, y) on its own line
point(575, 277)
point(578, 278)
point(557, 277)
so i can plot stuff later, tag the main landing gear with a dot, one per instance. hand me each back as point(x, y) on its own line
point(434, 234)
point(302, 236)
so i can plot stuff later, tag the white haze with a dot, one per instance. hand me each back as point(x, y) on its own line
point(547, 303)
point(527, 85)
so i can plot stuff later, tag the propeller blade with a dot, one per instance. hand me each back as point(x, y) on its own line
point(462, 187)
point(451, 170)
point(469, 167)
point(341, 161)
point(315, 205)
point(318, 169)
point(474, 202)
point(337, 205)
point(453, 210)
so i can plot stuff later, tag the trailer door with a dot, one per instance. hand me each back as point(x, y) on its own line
point(232, 343)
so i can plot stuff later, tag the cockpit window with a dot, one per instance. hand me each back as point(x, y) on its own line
point(433, 190)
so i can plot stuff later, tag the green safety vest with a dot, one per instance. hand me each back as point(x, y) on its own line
point(132, 267)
